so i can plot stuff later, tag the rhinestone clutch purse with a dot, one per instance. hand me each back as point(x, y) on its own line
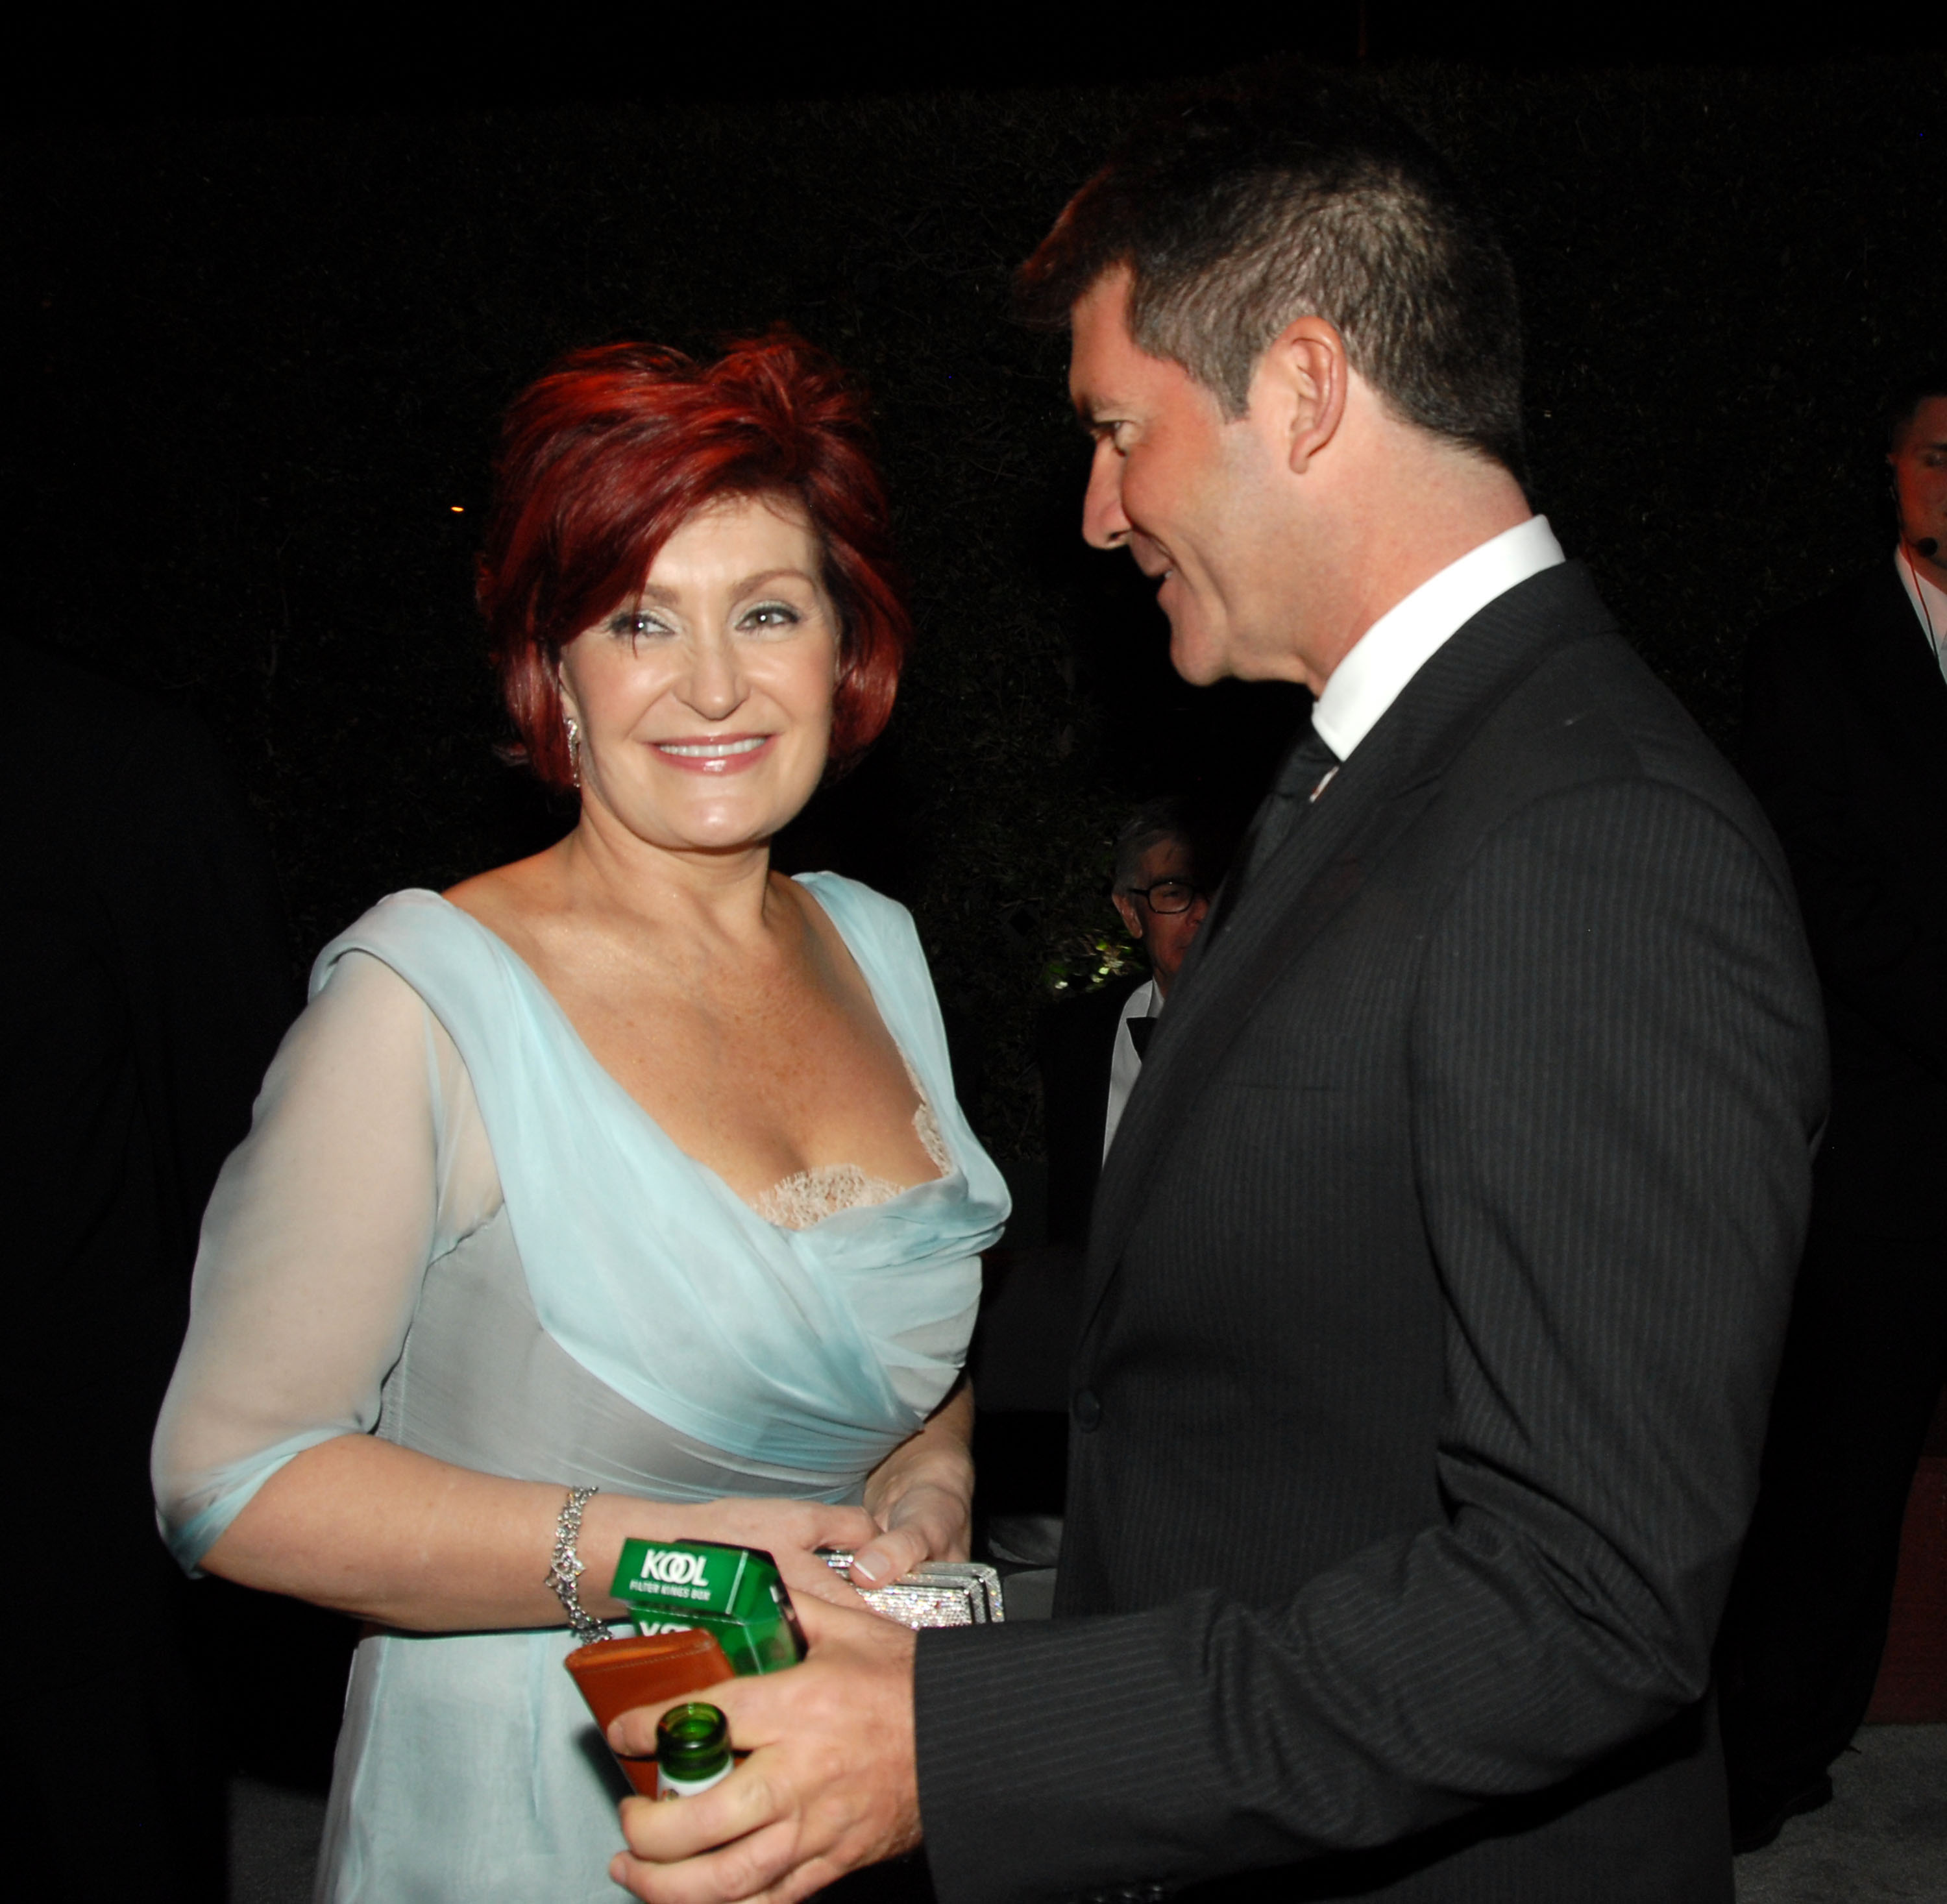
point(936, 1593)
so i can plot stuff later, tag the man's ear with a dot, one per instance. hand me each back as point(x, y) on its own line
point(1132, 916)
point(1302, 376)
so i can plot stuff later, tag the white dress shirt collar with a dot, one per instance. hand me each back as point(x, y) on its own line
point(1403, 639)
point(1929, 604)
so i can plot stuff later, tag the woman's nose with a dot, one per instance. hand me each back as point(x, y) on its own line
point(716, 688)
point(1104, 524)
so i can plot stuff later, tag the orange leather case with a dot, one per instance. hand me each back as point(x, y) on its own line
point(616, 1675)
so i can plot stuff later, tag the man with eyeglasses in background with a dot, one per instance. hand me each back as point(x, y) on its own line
point(1162, 905)
point(1089, 1051)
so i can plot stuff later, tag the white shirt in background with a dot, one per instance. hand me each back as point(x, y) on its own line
point(1929, 604)
point(1124, 1067)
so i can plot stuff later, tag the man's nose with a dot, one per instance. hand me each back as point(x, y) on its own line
point(1104, 524)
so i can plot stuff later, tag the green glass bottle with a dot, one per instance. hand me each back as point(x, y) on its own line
point(692, 1750)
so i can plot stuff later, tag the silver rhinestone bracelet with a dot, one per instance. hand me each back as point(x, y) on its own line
point(567, 1567)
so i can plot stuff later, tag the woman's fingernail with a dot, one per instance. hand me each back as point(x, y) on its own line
point(872, 1565)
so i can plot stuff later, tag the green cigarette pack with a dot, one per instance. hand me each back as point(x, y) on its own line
point(736, 1592)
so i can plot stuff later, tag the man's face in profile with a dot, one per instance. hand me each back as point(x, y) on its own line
point(1180, 487)
point(1165, 936)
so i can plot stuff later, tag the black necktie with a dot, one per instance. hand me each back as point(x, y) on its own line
point(1140, 1029)
point(1300, 781)
point(1297, 786)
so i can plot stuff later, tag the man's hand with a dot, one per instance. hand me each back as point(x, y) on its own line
point(830, 1783)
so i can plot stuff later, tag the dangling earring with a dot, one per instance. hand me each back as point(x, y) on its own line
point(573, 748)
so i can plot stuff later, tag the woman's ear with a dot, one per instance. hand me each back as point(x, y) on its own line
point(569, 708)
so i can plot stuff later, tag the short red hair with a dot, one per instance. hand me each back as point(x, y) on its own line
point(614, 448)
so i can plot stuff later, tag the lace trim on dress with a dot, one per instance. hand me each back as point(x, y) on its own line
point(809, 1197)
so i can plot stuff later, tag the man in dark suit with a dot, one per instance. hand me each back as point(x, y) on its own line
point(1846, 743)
point(1440, 1267)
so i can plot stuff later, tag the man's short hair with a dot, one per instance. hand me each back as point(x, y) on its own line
point(1154, 821)
point(1905, 399)
point(1236, 212)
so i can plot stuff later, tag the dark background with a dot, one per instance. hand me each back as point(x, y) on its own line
point(267, 296)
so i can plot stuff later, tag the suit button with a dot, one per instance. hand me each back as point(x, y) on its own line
point(1087, 1409)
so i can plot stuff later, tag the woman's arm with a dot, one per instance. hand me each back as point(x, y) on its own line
point(314, 1249)
point(394, 1537)
point(921, 1495)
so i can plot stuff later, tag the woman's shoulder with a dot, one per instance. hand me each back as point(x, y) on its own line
point(863, 914)
point(416, 932)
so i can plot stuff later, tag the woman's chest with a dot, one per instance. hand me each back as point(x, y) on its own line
point(760, 1080)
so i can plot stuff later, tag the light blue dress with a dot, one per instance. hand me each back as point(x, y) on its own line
point(450, 1227)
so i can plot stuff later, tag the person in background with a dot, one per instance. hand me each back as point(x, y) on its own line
point(147, 984)
point(1088, 1051)
point(619, 1192)
point(1845, 742)
point(1090, 1048)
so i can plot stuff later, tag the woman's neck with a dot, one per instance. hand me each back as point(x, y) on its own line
point(726, 896)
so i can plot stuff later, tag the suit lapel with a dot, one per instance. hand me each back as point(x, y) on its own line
point(1886, 656)
point(1318, 871)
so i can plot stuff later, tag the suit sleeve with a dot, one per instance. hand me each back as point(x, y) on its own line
point(1616, 1060)
point(1886, 958)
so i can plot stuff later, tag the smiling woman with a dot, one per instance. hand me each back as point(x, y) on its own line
point(701, 710)
point(632, 1171)
point(607, 455)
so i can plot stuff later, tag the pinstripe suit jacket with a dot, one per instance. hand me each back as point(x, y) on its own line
point(1440, 1269)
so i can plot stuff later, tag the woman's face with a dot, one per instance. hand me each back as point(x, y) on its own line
point(704, 702)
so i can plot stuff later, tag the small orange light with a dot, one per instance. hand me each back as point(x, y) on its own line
point(457, 509)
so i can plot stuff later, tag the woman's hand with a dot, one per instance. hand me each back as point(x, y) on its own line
point(921, 1497)
point(790, 1532)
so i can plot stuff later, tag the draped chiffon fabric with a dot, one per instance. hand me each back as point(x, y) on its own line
point(450, 1227)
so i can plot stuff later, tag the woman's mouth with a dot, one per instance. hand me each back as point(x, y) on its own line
point(713, 753)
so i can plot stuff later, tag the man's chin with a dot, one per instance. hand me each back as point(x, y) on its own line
point(1195, 656)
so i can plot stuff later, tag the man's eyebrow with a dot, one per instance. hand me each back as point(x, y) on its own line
point(1089, 410)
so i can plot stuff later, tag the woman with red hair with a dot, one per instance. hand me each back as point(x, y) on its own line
point(619, 1192)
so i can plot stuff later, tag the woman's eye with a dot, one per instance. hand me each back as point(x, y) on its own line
point(771, 614)
point(632, 627)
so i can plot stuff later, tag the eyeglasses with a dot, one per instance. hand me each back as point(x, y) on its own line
point(1166, 895)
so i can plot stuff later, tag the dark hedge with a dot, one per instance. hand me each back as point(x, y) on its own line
point(261, 363)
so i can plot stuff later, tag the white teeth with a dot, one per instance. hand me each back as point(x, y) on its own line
point(713, 750)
